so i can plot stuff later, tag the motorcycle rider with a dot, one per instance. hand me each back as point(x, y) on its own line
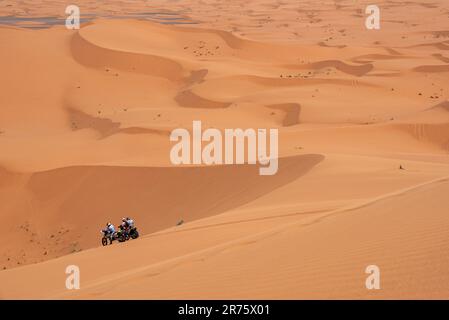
point(109, 231)
point(124, 226)
point(130, 222)
point(127, 225)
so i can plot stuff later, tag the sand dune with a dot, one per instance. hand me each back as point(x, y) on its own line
point(61, 199)
point(332, 265)
point(443, 105)
point(292, 111)
point(363, 125)
point(339, 65)
point(190, 100)
point(92, 55)
point(106, 127)
point(433, 68)
point(441, 57)
point(434, 133)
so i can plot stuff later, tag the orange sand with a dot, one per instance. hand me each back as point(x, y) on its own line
point(85, 118)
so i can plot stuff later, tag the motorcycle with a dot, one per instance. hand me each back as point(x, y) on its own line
point(126, 234)
point(133, 233)
point(107, 239)
point(121, 236)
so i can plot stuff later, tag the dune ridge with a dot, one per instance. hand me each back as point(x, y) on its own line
point(62, 197)
point(83, 51)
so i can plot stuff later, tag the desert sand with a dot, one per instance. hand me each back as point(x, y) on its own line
point(363, 120)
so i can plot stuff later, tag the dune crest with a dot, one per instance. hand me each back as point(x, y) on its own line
point(83, 51)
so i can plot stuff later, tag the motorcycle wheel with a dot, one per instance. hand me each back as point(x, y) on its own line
point(121, 238)
point(135, 234)
point(104, 241)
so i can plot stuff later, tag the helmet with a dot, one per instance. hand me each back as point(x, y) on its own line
point(108, 224)
point(128, 218)
point(123, 219)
